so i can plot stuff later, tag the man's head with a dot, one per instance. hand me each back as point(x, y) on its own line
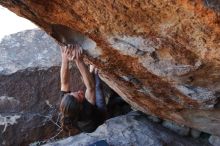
point(79, 95)
point(70, 107)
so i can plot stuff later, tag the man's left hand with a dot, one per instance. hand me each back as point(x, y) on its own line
point(77, 52)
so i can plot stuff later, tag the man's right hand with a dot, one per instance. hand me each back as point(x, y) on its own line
point(66, 53)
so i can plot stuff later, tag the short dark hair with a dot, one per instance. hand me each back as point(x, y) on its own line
point(70, 109)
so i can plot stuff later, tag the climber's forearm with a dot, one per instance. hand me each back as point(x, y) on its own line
point(64, 74)
point(87, 79)
point(86, 75)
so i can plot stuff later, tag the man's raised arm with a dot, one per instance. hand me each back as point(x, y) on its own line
point(86, 75)
point(64, 71)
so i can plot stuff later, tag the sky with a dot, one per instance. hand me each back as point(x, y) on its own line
point(11, 23)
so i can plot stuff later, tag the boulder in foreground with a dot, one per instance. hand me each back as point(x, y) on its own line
point(133, 129)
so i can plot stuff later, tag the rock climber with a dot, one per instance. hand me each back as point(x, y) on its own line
point(82, 110)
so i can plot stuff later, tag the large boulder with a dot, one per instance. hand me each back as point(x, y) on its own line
point(28, 49)
point(133, 129)
point(161, 56)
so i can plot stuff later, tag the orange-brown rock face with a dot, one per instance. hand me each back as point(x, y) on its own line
point(161, 56)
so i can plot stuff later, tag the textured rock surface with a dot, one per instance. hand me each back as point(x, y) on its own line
point(180, 129)
point(29, 106)
point(195, 133)
point(31, 48)
point(136, 130)
point(154, 119)
point(161, 56)
point(214, 140)
point(29, 97)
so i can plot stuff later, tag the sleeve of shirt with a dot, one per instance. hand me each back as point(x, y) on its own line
point(62, 93)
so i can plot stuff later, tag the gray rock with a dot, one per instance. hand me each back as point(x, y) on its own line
point(180, 129)
point(29, 102)
point(154, 119)
point(214, 140)
point(205, 97)
point(133, 129)
point(195, 133)
point(31, 48)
